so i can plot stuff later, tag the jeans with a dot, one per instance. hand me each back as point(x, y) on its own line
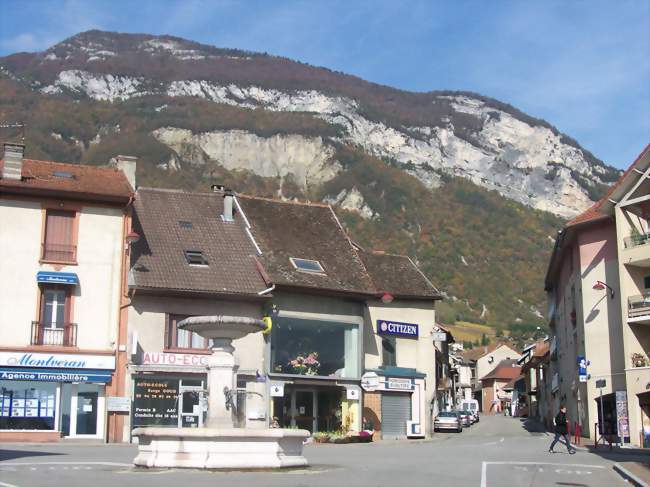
point(557, 438)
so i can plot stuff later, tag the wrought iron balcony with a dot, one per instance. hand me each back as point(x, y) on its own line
point(59, 252)
point(638, 307)
point(64, 335)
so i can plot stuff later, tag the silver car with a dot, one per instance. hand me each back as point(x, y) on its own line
point(466, 417)
point(449, 421)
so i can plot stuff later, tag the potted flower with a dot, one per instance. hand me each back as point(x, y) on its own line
point(639, 360)
point(305, 364)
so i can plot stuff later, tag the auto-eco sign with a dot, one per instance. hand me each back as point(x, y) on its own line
point(408, 330)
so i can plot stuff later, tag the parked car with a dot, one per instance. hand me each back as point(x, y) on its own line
point(449, 421)
point(466, 418)
point(472, 405)
point(473, 415)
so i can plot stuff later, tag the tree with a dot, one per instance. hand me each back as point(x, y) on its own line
point(484, 340)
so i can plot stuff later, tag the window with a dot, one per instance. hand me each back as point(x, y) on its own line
point(307, 265)
point(175, 338)
point(53, 326)
point(27, 405)
point(388, 351)
point(646, 282)
point(195, 257)
point(59, 244)
point(315, 348)
point(185, 224)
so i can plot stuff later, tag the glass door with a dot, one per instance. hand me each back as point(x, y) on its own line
point(191, 409)
point(303, 411)
point(87, 413)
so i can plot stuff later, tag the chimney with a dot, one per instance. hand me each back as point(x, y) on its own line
point(126, 164)
point(228, 197)
point(13, 157)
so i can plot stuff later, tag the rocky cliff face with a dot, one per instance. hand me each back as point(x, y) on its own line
point(466, 135)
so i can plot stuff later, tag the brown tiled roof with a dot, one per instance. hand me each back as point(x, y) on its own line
point(507, 369)
point(593, 213)
point(478, 352)
point(87, 182)
point(398, 275)
point(158, 259)
point(286, 229)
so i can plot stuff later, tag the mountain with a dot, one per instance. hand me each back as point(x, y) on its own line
point(455, 179)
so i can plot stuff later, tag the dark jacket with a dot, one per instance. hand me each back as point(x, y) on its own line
point(561, 423)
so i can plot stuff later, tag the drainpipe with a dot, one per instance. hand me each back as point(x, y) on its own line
point(267, 290)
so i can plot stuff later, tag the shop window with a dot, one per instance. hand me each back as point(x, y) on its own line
point(388, 351)
point(59, 242)
point(175, 338)
point(27, 405)
point(316, 348)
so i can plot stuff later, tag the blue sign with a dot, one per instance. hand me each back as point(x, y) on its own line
point(57, 278)
point(55, 375)
point(396, 328)
point(582, 368)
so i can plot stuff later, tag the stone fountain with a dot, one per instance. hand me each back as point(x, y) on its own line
point(219, 445)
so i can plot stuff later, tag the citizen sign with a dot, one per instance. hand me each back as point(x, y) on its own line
point(396, 328)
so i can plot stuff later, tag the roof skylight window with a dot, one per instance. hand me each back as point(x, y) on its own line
point(185, 224)
point(307, 265)
point(63, 174)
point(196, 257)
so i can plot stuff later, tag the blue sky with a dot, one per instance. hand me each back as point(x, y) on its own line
point(584, 66)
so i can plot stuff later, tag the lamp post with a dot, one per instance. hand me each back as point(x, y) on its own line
point(600, 285)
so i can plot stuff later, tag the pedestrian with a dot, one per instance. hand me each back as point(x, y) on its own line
point(561, 430)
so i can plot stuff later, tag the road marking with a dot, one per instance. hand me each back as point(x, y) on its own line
point(485, 464)
point(5, 484)
point(30, 464)
point(494, 442)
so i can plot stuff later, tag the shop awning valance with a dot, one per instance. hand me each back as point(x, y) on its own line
point(69, 278)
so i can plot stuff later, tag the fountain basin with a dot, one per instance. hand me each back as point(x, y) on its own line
point(211, 448)
point(222, 327)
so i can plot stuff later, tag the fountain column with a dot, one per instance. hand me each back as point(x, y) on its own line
point(221, 375)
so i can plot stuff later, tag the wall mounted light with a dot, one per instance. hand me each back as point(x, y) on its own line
point(132, 237)
point(600, 285)
point(387, 298)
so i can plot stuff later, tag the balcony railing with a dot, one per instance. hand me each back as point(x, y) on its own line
point(63, 336)
point(638, 305)
point(636, 240)
point(59, 252)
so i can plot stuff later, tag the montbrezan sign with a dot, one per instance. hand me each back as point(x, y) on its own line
point(409, 330)
point(57, 360)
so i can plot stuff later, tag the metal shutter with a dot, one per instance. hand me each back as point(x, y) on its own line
point(395, 412)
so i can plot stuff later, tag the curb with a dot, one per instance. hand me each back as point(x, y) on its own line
point(626, 474)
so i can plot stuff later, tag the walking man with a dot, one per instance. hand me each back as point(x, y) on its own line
point(561, 430)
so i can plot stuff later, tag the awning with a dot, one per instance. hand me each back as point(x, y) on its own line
point(69, 278)
point(55, 375)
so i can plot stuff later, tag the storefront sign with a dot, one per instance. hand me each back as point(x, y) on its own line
point(399, 384)
point(55, 375)
point(396, 328)
point(57, 278)
point(621, 414)
point(439, 336)
point(155, 402)
point(370, 381)
point(277, 390)
point(57, 360)
point(118, 404)
point(181, 359)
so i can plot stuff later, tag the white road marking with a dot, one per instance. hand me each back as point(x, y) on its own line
point(519, 464)
point(5, 484)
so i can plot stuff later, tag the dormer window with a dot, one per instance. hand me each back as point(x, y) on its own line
point(185, 224)
point(196, 258)
point(307, 265)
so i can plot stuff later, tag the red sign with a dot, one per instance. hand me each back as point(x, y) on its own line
point(180, 359)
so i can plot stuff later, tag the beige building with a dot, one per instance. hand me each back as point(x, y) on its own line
point(62, 239)
point(598, 310)
point(337, 312)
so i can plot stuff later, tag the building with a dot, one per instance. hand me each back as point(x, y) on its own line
point(532, 362)
point(336, 310)
point(598, 282)
point(483, 360)
point(63, 242)
point(496, 396)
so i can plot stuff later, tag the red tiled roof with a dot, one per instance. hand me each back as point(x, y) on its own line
point(87, 182)
point(593, 212)
point(505, 370)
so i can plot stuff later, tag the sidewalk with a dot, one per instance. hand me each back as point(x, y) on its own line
point(635, 472)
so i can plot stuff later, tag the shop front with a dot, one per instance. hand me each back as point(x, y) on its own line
point(169, 390)
point(394, 402)
point(44, 397)
point(314, 374)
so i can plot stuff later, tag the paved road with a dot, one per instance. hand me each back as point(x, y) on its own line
point(498, 451)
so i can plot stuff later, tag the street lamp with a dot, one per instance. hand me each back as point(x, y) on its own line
point(387, 298)
point(600, 285)
point(132, 237)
